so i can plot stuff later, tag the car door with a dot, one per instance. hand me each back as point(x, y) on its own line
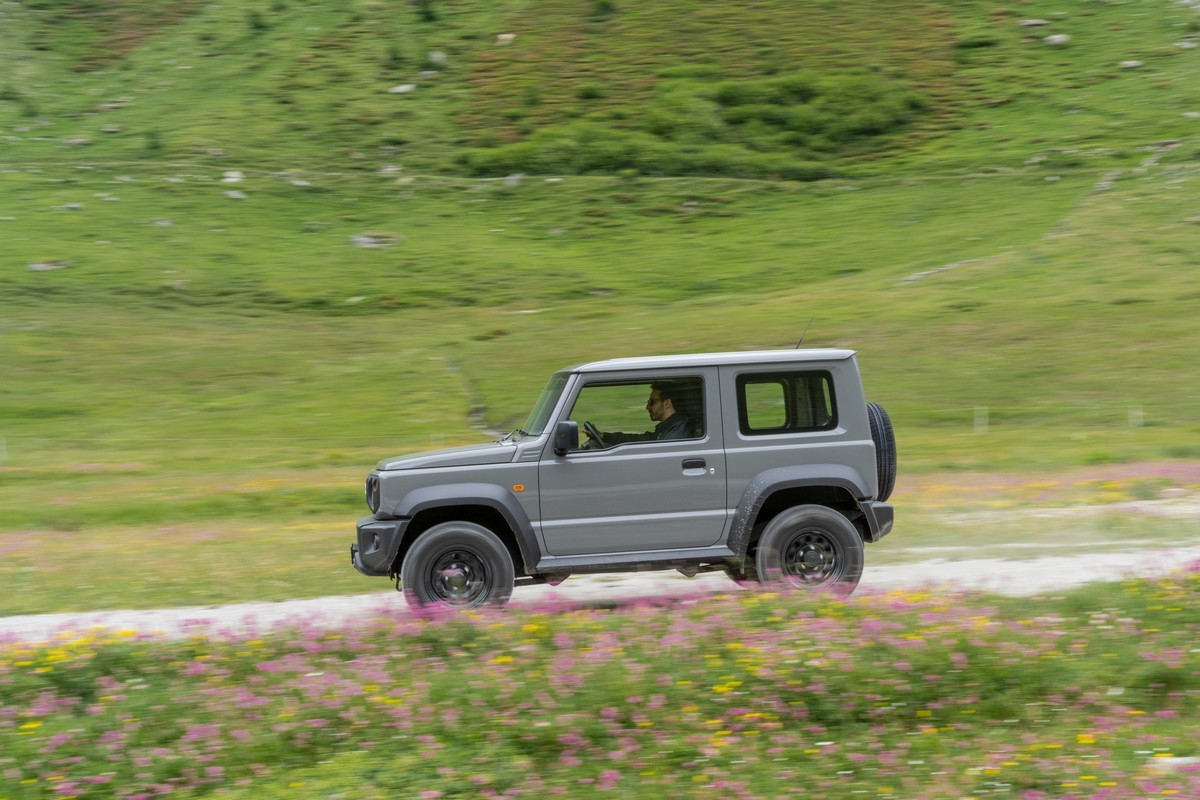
point(633, 496)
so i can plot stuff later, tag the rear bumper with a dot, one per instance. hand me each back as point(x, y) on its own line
point(377, 546)
point(880, 518)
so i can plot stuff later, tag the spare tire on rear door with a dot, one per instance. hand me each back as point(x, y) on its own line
point(885, 449)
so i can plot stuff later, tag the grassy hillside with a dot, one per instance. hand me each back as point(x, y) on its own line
point(314, 86)
point(250, 248)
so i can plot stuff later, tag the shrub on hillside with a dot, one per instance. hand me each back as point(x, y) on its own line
point(684, 116)
point(427, 10)
point(589, 148)
point(776, 126)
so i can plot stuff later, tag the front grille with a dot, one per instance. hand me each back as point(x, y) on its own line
point(372, 492)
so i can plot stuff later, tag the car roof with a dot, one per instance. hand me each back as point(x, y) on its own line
point(714, 359)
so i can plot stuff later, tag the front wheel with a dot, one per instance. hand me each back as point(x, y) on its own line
point(810, 547)
point(458, 565)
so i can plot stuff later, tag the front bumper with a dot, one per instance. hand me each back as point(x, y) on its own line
point(378, 543)
point(880, 518)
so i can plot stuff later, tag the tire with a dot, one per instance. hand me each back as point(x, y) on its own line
point(810, 547)
point(885, 449)
point(457, 565)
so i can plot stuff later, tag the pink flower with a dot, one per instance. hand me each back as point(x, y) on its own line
point(608, 779)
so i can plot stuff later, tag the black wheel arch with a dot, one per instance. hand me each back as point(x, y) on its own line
point(776, 490)
point(488, 505)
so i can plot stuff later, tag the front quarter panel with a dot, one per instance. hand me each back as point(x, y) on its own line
point(491, 495)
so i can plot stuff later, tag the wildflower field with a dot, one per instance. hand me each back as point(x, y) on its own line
point(1092, 694)
point(251, 248)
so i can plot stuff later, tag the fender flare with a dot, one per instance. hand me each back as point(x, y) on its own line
point(766, 483)
point(489, 495)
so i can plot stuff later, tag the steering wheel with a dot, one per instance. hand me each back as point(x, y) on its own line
point(593, 433)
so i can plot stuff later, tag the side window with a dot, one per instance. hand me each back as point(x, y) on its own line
point(645, 410)
point(785, 402)
point(765, 404)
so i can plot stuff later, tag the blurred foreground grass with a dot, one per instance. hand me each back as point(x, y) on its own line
point(1091, 694)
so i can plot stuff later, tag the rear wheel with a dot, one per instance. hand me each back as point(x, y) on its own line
point(458, 565)
point(810, 547)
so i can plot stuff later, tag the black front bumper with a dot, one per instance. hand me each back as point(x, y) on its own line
point(378, 543)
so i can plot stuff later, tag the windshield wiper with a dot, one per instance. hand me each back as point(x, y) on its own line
point(512, 434)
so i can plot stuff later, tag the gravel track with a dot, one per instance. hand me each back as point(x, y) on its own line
point(1011, 577)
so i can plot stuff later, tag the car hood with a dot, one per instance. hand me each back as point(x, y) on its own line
point(469, 456)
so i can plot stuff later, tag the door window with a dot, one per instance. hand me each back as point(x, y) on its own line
point(647, 410)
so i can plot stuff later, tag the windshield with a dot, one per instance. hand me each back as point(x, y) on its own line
point(540, 416)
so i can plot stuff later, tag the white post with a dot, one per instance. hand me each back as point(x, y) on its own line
point(981, 419)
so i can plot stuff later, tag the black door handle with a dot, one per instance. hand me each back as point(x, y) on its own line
point(694, 463)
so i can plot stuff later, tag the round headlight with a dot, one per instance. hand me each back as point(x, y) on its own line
point(372, 492)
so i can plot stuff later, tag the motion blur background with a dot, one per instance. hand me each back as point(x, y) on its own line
point(250, 248)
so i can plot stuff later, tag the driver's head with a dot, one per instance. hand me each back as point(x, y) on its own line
point(661, 404)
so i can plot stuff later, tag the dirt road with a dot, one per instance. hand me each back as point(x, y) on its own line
point(1013, 577)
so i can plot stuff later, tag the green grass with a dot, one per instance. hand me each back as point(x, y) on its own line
point(195, 563)
point(171, 357)
point(148, 539)
point(291, 86)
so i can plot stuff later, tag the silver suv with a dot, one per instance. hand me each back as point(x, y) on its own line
point(769, 466)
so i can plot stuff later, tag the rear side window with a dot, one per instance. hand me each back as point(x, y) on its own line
point(785, 402)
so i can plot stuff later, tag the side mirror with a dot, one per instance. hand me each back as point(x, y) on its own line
point(566, 437)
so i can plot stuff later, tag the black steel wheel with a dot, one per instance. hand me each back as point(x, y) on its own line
point(810, 547)
point(457, 565)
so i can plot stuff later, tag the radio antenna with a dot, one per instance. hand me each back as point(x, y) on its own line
point(806, 327)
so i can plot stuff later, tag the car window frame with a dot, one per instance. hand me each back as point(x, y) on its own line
point(789, 379)
point(700, 386)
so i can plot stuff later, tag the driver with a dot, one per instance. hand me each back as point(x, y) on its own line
point(672, 424)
